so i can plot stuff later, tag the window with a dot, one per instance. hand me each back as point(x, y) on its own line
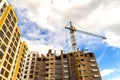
point(81, 55)
point(12, 23)
point(21, 59)
point(7, 56)
point(23, 55)
point(29, 55)
point(13, 39)
point(36, 78)
point(14, 19)
point(18, 34)
point(33, 58)
point(20, 64)
point(1, 10)
point(6, 40)
point(0, 78)
point(4, 28)
point(3, 47)
point(8, 67)
point(9, 50)
point(9, 17)
point(31, 71)
point(19, 69)
point(14, 49)
point(8, 34)
point(47, 69)
point(1, 54)
point(11, 45)
point(26, 67)
point(33, 54)
point(4, 5)
point(16, 30)
point(33, 62)
point(10, 60)
point(1, 34)
point(6, 74)
point(11, 12)
point(5, 63)
point(32, 67)
point(51, 63)
point(12, 54)
point(31, 76)
point(25, 72)
point(28, 59)
point(17, 39)
point(36, 73)
point(2, 71)
point(7, 22)
point(82, 59)
point(91, 55)
point(85, 55)
point(15, 43)
point(24, 76)
point(0, 42)
point(71, 55)
point(18, 75)
point(15, 34)
point(46, 75)
point(11, 29)
point(51, 59)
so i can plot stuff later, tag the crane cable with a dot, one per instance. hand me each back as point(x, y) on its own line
point(67, 43)
point(66, 40)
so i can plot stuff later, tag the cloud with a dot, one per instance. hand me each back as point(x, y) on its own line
point(106, 72)
point(37, 45)
point(97, 16)
point(116, 78)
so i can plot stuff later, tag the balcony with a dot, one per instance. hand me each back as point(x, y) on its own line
point(66, 76)
point(65, 71)
point(93, 65)
point(94, 70)
point(92, 60)
point(96, 76)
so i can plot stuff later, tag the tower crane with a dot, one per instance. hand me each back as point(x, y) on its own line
point(72, 31)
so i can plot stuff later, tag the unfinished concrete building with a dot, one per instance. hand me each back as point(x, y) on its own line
point(70, 66)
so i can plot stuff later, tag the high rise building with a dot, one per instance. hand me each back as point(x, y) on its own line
point(12, 50)
point(30, 66)
point(70, 66)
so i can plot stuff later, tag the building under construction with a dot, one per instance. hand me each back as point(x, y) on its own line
point(70, 66)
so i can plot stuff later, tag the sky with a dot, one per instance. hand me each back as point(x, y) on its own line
point(42, 25)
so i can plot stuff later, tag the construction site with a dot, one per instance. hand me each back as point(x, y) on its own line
point(76, 65)
point(18, 62)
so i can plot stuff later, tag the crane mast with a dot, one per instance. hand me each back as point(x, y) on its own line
point(72, 33)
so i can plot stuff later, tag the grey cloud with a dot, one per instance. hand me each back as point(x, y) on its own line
point(115, 29)
point(77, 12)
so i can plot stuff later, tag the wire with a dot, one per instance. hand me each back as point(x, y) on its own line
point(67, 43)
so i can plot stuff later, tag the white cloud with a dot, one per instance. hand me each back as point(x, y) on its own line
point(113, 39)
point(116, 78)
point(97, 16)
point(106, 72)
point(37, 45)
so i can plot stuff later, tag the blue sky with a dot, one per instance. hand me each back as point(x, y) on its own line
point(42, 25)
